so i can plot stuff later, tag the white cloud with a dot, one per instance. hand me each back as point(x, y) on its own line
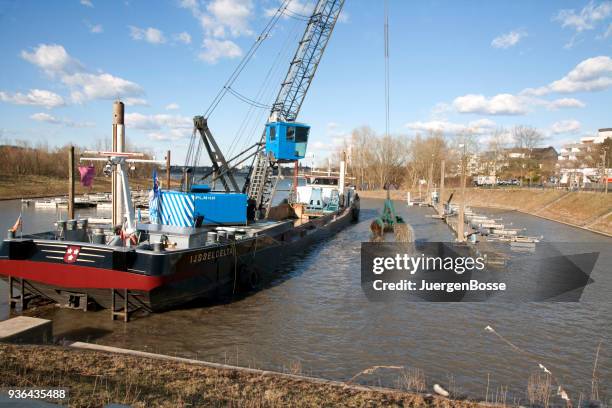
point(52, 58)
point(221, 18)
point(36, 97)
point(56, 62)
point(213, 50)
point(502, 104)
point(44, 117)
point(587, 18)
point(156, 122)
point(183, 37)
point(477, 127)
point(130, 101)
point(172, 106)
point(96, 29)
point(150, 35)
point(87, 3)
point(89, 86)
point(344, 17)
point(565, 126)
point(170, 135)
point(47, 118)
point(566, 103)
point(93, 28)
point(592, 74)
point(509, 39)
point(163, 127)
point(608, 32)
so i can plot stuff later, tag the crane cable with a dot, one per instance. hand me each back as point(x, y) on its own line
point(386, 68)
point(247, 57)
point(193, 159)
point(253, 118)
point(271, 92)
point(247, 100)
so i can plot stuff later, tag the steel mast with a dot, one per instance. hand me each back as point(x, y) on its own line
point(293, 90)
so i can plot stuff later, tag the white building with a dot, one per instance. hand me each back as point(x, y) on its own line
point(586, 148)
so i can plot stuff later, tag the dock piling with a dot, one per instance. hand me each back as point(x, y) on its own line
point(71, 183)
point(441, 199)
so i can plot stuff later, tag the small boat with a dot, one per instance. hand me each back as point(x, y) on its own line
point(45, 204)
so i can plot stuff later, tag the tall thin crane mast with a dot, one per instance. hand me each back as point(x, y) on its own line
point(293, 89)
point(306, 59)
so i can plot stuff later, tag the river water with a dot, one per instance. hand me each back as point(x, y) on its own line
point(316, 317)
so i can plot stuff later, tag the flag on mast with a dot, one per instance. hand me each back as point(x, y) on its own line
point(155, 201)
point(18, 224)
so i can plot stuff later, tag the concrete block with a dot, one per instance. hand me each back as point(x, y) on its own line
point(24, 329)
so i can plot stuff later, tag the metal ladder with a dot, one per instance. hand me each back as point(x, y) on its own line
point(260, 182)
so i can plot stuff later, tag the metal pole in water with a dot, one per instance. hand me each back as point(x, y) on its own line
point(71, 183)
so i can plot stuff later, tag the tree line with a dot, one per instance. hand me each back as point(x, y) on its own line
point(376, 161)
point(21, 158)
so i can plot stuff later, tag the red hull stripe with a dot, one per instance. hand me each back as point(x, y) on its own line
point(77, 276)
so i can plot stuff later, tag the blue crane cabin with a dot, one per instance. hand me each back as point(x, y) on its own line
point(287, 141)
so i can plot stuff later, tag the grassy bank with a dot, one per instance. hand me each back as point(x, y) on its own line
point(43, 186)
point(582, 209)
point(97, 378)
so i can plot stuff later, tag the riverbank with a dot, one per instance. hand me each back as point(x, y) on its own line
point(583, 209)
point(12, 188)
point(95, 378)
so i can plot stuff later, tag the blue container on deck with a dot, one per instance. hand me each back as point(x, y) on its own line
point(202, 208)
point(287, 140)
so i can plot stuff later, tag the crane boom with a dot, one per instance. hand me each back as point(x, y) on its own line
point(306, 59)
point(293, 90)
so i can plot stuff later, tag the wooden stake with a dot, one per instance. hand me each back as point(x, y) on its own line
point(295, 180)
point(71, 183)
point(429, 182)
point(461, 217)
point(441, 195)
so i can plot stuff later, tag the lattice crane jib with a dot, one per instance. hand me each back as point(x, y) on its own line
point(294, 88)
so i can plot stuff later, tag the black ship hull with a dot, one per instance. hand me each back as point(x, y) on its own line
point(164, 280)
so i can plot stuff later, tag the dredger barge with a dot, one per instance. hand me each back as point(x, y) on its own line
point(168, 265)
point(200, 242)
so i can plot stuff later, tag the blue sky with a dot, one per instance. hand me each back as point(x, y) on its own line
point(454, 65)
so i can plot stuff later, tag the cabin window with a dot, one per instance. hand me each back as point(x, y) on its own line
point(291, 133)
point(272, 132)
point(301, 134)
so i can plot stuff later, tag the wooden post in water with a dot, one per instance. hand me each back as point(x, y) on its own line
point(71, 183)
point(295, 180)
point(441, 195)
point(429, 182)
point(168, 170)
point(461, 217)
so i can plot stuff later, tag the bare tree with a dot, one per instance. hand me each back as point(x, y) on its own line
point(498, 143)
point(526, 138)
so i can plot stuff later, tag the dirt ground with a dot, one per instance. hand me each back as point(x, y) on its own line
point(97, 378)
